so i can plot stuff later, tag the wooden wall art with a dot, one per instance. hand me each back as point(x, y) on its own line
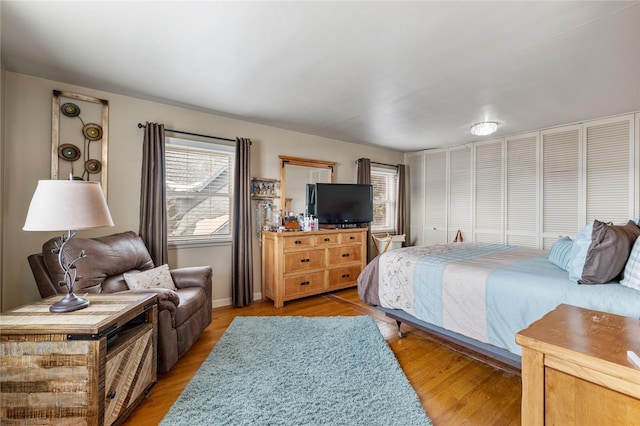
point(79, 137)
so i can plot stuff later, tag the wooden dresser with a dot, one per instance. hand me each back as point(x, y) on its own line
point(300, 264)
point(91, 366)
point(575, 369)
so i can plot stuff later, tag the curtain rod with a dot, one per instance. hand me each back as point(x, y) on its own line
point(395, 166)
point(141, 126)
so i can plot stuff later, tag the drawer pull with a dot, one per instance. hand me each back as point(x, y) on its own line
point(345, 275)
point(305, 283)
point(345, 254)
point(305, 260)
point(297, 242)
point(326, 240)
point(352, 237)
point(111, 394)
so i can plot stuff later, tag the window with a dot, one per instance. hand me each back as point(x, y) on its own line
point(199, 181)
point(385, 190)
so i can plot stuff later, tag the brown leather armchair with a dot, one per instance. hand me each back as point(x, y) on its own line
point(182, 314)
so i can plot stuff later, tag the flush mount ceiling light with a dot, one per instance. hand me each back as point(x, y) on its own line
point(484, 128)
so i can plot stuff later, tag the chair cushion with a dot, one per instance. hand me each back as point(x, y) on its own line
point(105, 257)
point(191, 300)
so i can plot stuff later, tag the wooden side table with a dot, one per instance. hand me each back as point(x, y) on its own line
point(91, 366)
point(575, 369)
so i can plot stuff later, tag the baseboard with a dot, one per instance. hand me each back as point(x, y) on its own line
point(220, 303)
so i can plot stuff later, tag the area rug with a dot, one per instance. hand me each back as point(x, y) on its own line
point(299, 371)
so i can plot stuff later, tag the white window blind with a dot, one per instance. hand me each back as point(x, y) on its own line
point(522, 190)
point(385, 193)
point(415, 175)
point(436, 197)
point(608, 171)
point(199, 189)
point(460, 196)
point(488, 192)
point(560, 184)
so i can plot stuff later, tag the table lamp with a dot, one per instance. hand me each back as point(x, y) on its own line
point(67, 205)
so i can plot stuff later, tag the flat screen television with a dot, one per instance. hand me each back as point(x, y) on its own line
point(341, 203)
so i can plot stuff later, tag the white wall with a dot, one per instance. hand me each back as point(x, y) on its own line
point(27, 158)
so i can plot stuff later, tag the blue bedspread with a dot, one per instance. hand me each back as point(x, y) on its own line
point(486, 292)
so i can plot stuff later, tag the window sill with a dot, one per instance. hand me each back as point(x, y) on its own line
point(198, 243)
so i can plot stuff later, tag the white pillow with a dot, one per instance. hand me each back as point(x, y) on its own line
point(153, 278)
point(631, 274)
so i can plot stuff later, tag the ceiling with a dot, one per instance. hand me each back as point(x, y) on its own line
point(401, 75)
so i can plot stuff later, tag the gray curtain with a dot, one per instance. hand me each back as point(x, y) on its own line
point(401, 203)
point(364, 176)
point(153, 196)
point(241, 246)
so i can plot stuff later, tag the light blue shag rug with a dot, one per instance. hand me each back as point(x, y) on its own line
point(299, 371)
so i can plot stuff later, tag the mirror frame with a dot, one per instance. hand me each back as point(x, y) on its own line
point(297, 161)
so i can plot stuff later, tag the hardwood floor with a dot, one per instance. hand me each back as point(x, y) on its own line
point(454, 389)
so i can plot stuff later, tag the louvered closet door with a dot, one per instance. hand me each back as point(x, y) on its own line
point(488, 192)
point(460, 195)
point(609, 169)
point(560, 183)
point(435, 205)
point(415, 164)
point(522, 190)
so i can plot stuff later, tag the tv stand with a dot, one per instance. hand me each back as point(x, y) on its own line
point(300, 264)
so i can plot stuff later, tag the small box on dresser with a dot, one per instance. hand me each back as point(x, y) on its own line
point(300, 264)
point(91, 366)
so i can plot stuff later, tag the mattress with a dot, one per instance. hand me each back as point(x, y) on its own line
point(487, 292)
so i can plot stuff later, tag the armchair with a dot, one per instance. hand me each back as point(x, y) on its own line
point(182, 314)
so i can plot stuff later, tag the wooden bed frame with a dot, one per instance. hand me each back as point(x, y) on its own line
point(484, 352)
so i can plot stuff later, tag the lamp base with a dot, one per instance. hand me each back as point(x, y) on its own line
point(69, 303)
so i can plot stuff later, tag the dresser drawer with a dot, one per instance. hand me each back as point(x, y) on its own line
point(300, 284)
point(302, 260)
point(342, 276)
point(327, 239)
point(298, 241)
point(351, 237)
point(340, 255)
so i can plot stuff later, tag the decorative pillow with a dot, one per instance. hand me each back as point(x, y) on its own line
point(608, 249)
point(560, 254)
point(152, 278)
point(579, 251)
point(631, 274)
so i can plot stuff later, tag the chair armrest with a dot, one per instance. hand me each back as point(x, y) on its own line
point(43, 280)
point(195, 276)
point(167, 300)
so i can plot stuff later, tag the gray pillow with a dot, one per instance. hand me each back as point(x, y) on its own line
point(608, 252)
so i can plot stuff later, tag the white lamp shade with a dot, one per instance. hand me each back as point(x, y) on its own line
point(61, 205)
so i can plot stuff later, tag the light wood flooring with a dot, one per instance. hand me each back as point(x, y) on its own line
point(454, 388)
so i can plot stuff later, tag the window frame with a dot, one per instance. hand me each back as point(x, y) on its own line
point(193, 145)
point(388, 172)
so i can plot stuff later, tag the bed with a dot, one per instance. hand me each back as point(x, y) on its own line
point(481, 295)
